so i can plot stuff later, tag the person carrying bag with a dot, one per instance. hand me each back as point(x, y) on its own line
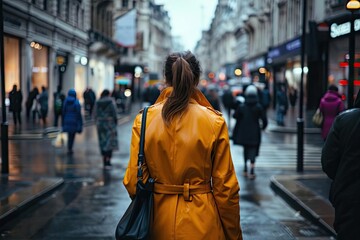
point(187, 149)
point(136, 222)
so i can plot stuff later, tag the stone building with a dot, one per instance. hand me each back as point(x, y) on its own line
point(45, 44)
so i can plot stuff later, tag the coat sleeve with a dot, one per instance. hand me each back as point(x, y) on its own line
point(225, 186)
point(331, 154)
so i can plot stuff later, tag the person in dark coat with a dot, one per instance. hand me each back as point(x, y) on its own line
point(213, 98)
point(247, 130)
point(281, 105)
point(30, 100)
point(340, 161)
point(15, 98)
point(72, 122)
point(44, 103)
point(89, 99)
point(106, 122)
point(59, 99)
point(330, 106)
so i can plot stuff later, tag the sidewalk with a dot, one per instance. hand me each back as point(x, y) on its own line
point(18, 192)
point(307, 193)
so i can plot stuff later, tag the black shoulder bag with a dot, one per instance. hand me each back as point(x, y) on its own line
point(136, 221)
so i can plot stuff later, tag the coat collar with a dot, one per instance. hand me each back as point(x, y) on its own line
point(196, 97)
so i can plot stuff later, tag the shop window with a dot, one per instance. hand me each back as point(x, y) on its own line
point(40, 67)
point(12, 63)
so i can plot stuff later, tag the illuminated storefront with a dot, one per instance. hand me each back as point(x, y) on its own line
point(12, 63)
point(40, 67)
point(338, 67)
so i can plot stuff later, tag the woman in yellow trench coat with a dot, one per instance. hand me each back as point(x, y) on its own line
point(187, 152)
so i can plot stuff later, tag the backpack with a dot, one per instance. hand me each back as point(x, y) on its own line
point(58, 103)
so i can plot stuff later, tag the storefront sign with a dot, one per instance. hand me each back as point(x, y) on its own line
point(337, 30)
point(291, 47)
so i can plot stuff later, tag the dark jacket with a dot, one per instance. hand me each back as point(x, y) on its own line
point(15, 98)
point(341, 154)
point(247, 130)
point(72, 119)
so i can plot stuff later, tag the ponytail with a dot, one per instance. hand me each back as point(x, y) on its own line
point(183, 84)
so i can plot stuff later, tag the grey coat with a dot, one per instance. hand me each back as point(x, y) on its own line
point(106, 123)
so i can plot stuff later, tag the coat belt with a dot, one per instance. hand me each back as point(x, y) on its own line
point(186, 189)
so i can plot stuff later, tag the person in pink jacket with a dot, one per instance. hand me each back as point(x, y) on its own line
point(330, 106)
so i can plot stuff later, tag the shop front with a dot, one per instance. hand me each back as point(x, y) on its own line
point(256, 68)
point(284, 64)
point(40, 66)
point(12, 63)
point(338, 62)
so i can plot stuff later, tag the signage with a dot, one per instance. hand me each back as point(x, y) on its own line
point(291, 47)
point(337, 30)
point(125, 29)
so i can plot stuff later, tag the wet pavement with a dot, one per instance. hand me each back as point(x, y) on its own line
point(90, 200)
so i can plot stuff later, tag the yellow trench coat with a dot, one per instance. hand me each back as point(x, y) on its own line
point(194, 148)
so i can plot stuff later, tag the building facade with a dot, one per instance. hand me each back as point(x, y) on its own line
point(45, 44)
point(268, 43)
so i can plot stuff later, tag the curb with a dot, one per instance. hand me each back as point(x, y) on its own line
point(26, 197)
point(298, 204)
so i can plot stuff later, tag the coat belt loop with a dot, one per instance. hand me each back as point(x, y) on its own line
point(186, 193)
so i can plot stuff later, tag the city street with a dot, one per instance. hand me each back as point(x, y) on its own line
point(92, 199)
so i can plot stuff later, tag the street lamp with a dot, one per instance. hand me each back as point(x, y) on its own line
point(300, 119)
point(352, 6)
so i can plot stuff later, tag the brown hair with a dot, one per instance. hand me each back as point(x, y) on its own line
point(182, 72)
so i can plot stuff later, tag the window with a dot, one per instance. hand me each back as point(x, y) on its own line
point(58, 7)
point(67, 10)
point(45, 4)
point(125, 3)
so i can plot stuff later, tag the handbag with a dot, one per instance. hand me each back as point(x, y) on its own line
point(137, 219)
point(60, 140)
point(318, 118)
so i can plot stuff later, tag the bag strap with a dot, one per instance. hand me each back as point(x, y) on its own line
point(141, 154)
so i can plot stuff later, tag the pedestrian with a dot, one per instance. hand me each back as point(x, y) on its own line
point(59, 99)
point(120, 98)
point(154, 93)
point(106, 122)
point(72, 122)
point(330, 106)
point(30, 101)
point(187, 152)
point(89, 99)
point(35, 108)
point(281, 105)
point(15, 98)
point(247, 130)
point(340, 161)
point(292, 96)
point(44, 104)
point(213, 98)
point(228, 101)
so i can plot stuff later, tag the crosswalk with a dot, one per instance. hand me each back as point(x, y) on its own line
point(281, 156)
